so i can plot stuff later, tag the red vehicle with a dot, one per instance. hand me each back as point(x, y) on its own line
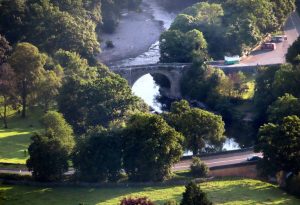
point(268, 46)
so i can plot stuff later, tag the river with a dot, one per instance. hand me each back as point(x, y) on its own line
point(137, 42)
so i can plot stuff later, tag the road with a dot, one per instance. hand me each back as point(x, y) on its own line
point(218, 160)
point(211, 161)
point(260, 57)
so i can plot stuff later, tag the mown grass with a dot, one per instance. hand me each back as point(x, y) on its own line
point(226, 191)
point(15, 140)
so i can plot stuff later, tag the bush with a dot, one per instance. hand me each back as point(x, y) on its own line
point(198, 168)
point(136, 201)
point(193, 195)
point(109, 44)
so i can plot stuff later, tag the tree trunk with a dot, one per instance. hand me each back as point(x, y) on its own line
point(5, 115)
point(24, 97)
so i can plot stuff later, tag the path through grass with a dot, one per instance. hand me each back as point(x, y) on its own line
point(233, 192)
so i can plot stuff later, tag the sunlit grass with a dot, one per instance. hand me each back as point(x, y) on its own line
point(15, 140)
point(227, 191)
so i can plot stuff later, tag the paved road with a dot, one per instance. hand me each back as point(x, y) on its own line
point(211, 161)
point(218, 160)
point(292, 31)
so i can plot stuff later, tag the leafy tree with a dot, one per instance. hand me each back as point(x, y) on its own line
point(292, 55)
point(176, 46)
point(48, 158)
point(193, 195)
point(200, 128)
point(51, 25)
point(8, 89)
point(55, 125)
point(49, 151)
point(284, 106)
point(48, 88)
point(97, 101)
point(150, 148)
point(287, 80)
point(5, 49)
point(280, 144)
point(97, 156)
point(76, 67)
point(27, 62)
point(282, 9)
point(264, 95)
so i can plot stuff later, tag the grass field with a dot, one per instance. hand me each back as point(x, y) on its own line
point(227, 191)
point(15, 139)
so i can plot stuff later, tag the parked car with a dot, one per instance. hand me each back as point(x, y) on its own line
point(279, 39)
point(253, 158)
point(268, 46)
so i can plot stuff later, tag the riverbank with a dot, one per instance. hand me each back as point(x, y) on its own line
point(135, 34)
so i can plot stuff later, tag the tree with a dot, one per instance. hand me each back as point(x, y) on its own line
point(27, 62)
point(150, 148)
point(293, 53)
point(200, 128)
point(5, 49)
point(48, 88)
point(176, 46)
point(52, 24)
point(193, 195)
point(98, 155)
point(94, 100)
point(7, 91)
point(55, 124)
point(50, 150)
point(282, 9)
point(284, 106)
point(280, 144)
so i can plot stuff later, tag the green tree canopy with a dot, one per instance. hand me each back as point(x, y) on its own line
point(176, 46)
point(284, 106)
point(98, 155)
point(280, 144)
point(200, 128)
point(150, 148)
point(97, 98)
point(50, 150)
point(28, 64)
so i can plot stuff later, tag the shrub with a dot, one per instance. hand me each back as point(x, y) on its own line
point(109, 44)
point(198, 168)
point(193, 195)
point(136, 201)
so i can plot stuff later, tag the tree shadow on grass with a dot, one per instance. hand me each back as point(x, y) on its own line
point(88, 196)
point(248, 192)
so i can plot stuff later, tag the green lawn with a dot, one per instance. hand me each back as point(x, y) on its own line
point(15, 139)
point(233, 192)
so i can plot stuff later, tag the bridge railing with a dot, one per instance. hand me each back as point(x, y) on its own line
point(116, 68)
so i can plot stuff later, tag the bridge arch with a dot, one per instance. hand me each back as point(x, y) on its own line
point(173, 72)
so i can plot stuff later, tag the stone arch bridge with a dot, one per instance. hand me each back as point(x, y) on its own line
point(172, 71)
